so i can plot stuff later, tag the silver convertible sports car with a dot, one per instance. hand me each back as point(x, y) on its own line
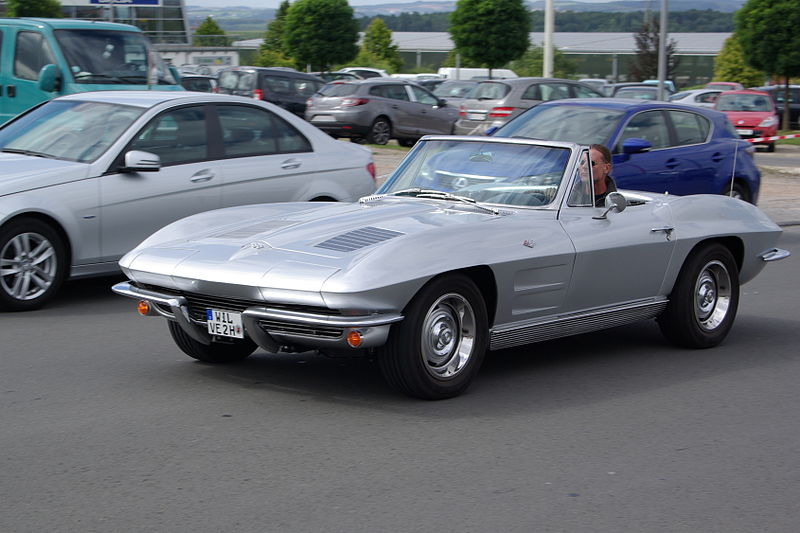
point(472, 244)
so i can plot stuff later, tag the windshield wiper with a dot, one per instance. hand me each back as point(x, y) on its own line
point(419, 192)
point(25, 152)
point(87, 75)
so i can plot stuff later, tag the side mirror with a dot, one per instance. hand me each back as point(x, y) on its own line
point(49, 78)
point(635, 145)
point(614, 202)
point(138, 161)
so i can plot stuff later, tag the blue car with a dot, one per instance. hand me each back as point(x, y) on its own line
point(656, 146)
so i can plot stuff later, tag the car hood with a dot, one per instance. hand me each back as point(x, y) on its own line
point(23, 173)
point(747, 118)
point(297, 245)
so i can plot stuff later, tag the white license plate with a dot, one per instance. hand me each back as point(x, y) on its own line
point(322, 118)
point(224, 323)
point(475, 116)
point(744, 132)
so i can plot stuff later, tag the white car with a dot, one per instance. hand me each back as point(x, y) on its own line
point(697, 97)
point(366, 72)
point(86, 177)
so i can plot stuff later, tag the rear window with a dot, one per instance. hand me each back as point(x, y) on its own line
point(338, 89)
point(744, 102)
point(237, 81)
point(491, 90)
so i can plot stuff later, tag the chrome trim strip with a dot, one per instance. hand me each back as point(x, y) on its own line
point(362, 321)
point(776, 254)
point(583, 322)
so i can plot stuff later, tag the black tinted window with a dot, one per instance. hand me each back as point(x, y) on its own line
point(395, 92)
point(31, 55)
point(249, 131)
point(690, 128)
point(177, 136)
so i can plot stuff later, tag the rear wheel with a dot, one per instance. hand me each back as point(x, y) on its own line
point(771, 147)
point(32, 264)
point(435, 352)
point(380, 131)
point(216, 352)
point(739, 191)
point(704, 301)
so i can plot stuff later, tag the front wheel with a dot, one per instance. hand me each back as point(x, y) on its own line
point(379, 132)
point(435, 352)
point(216, 352)
point(704, 301)
point(32, 264)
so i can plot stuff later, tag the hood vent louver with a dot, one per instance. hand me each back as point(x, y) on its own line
point(357, 239)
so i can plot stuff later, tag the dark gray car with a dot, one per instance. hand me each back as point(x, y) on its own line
point(376, 110)
point(495, 102)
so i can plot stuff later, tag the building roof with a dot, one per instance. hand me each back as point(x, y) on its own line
point(566, 42)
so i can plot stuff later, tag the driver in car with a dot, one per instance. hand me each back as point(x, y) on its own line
point(601, 173)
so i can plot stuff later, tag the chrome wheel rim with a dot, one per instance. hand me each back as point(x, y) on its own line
point(448, 336)
point(381, 132)
point(27, 266)
point(712, 295)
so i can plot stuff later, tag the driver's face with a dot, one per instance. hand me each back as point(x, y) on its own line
point(600, 168)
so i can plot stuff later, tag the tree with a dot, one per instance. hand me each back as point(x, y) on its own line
point(532, 63)
point(645, 65)
point(378, 43)
point(275, 38)
point(34, 8)
point(321, 33)
point(730, 65)
point(767, 31)
point(490, 32)
point(212, 34)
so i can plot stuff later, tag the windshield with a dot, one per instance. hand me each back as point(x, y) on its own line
point(743, 102)
point(69, 130)
point(642, 93)
point(492, 172)
point(112, 57)
point(578, 124)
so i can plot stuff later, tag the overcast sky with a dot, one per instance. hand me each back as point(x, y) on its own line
point(275, 3)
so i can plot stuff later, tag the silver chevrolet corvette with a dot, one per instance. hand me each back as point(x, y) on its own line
point(472, 244)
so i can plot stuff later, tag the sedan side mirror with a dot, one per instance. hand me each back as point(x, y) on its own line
point(49, 78)
point(635, 145)
point(138, 161)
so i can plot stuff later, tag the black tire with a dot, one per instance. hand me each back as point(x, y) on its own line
point(704, 301)
point(442, 363)
point(738, 190)
point(380, 132)
point(216, 352)
point(407, 142)
point(33, 264)
point(771, 147)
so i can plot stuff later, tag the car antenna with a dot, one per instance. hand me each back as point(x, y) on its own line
point(733, 172)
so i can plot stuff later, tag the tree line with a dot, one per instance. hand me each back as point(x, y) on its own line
point(692, 21)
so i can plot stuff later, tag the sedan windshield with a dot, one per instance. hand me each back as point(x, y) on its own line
point(579, 124)
point(493, 172)
point(69, 130)
point(112, 57)
point(743, 102)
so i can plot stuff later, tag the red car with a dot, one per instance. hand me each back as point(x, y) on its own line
point(752, 113)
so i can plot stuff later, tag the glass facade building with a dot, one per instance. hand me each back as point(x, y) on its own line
point(164, 21)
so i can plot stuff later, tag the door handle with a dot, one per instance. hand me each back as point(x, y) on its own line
point(666, 229)
point(671, 163)
point(203, 175)
point(290, 164)
point(717, 157)
point(11, 91)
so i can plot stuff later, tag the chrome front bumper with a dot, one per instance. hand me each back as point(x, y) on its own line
point(272, 328)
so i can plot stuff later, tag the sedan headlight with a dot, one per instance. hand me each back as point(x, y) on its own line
point(768, 122)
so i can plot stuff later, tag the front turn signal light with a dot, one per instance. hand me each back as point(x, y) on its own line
point(143, 307)
point(354, 338)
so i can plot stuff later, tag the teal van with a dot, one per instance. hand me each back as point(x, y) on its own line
point(44, 58)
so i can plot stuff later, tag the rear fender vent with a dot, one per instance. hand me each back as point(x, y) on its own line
point(357, 239)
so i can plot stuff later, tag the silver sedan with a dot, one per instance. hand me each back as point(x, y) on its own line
point(86, 177)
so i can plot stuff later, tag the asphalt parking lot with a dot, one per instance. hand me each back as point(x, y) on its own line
point(780, 179)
